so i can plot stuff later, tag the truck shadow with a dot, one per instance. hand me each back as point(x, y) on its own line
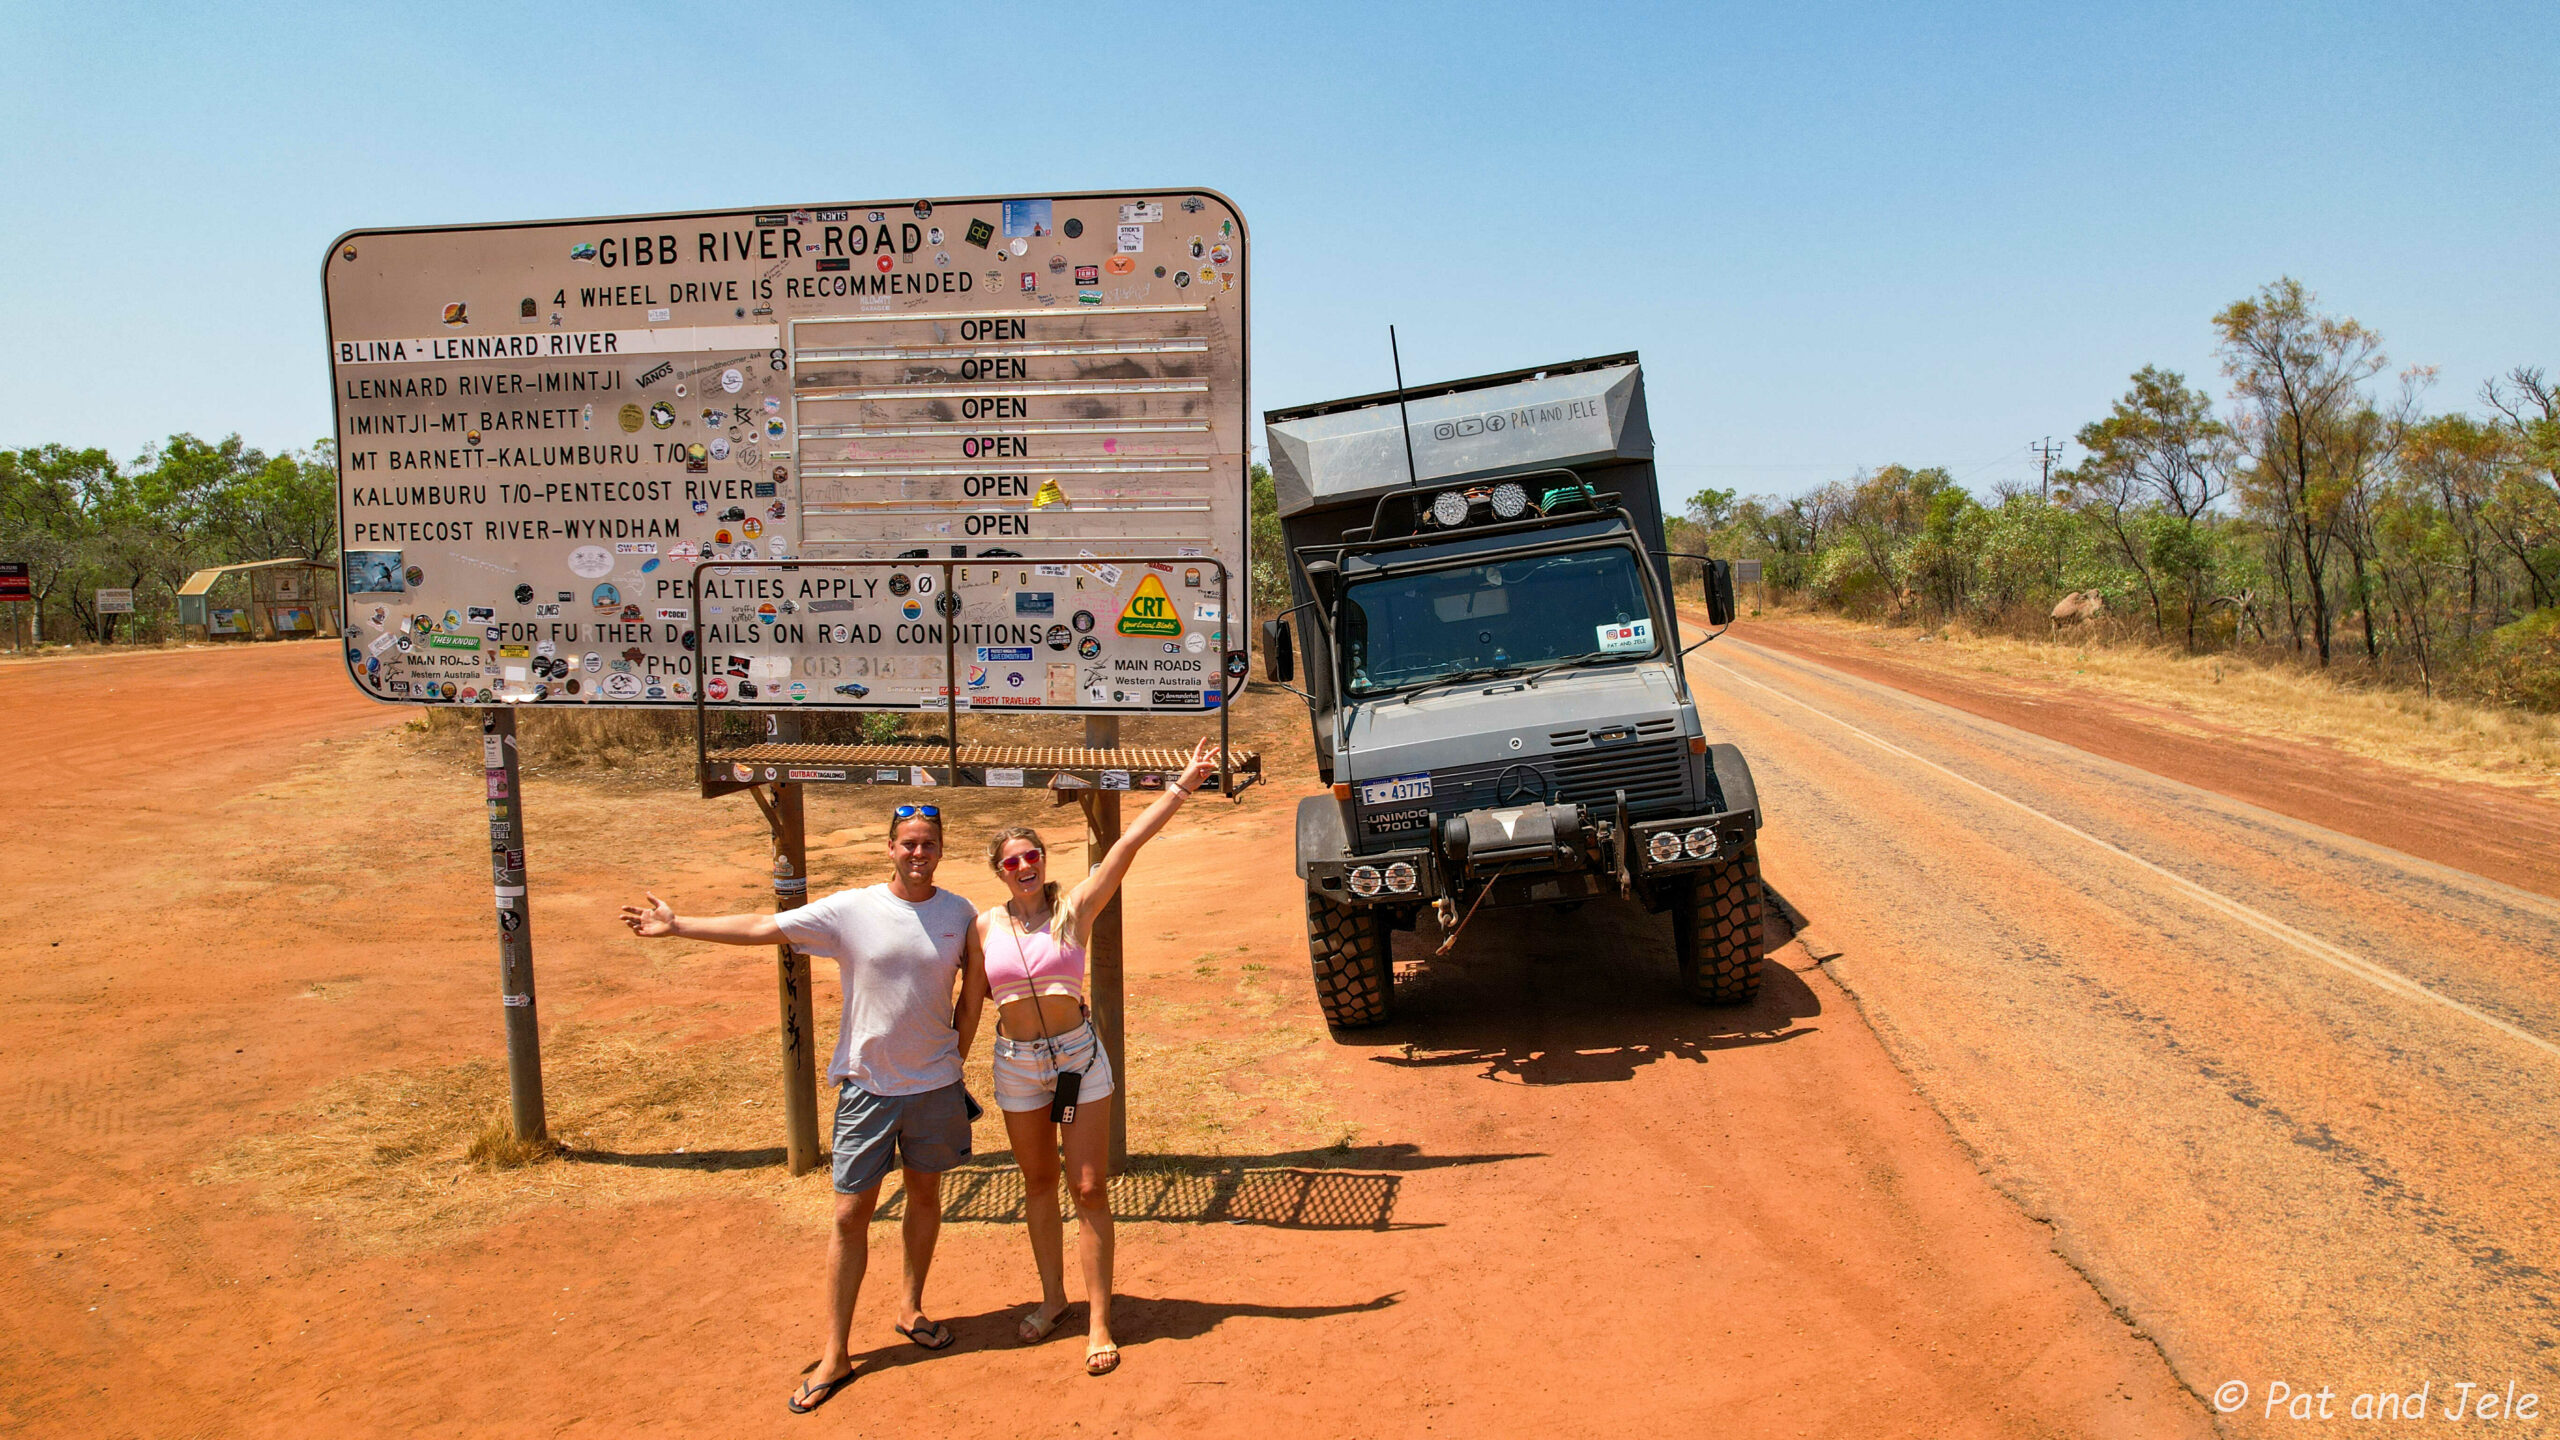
point(1541, 998)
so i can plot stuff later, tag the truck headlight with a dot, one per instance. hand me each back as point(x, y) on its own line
point(1365, 881)
point(1664, 847)
point(1700, 843)
point(1509, 501)
point(1400, 878)
point(1449, 509)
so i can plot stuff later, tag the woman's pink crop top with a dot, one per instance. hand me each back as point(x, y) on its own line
point(1021, 965)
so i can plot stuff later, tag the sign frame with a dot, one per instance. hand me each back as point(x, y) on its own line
point(1159, 199)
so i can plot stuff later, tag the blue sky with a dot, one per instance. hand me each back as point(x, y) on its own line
point(1841, 235)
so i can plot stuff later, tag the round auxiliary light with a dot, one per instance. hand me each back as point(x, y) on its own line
point(1365, 881)
point(1510, 502)
point(1400, 878)
point(1449, 509)
point(1700, 843)
point(1664, 847)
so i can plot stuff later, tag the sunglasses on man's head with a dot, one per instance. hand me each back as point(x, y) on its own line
point(909, 812)
point(1023, 861)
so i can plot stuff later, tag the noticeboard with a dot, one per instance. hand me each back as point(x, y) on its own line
point(115, 602)
point(545, 429)
point(14, 582)
point(1134, 634)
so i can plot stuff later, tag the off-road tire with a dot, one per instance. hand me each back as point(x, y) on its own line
point(1715, 926)
point(1355, 980)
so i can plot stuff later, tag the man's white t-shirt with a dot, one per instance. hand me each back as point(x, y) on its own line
point(899, 961)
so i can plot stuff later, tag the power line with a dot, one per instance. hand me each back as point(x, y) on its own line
point(2046, 452)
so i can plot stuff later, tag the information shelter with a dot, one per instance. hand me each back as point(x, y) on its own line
point(261, 600)
point(938, 455)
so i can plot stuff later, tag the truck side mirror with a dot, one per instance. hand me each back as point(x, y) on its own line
point(1278, 666)
point(1323, 579)
point(1719, 586)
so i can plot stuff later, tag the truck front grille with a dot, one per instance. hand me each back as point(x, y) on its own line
point(1650, 772)
point(1653, 773)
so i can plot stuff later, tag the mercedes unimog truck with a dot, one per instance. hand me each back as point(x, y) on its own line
point(1492, 661)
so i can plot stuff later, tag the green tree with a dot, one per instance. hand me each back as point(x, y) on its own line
point(1710, 509)
point(44, 517)
point(2313, 436)
point(1268, 563)
point(2158, 455)
point(287, 506)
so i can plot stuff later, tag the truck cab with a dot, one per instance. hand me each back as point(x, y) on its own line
point(1484, 611)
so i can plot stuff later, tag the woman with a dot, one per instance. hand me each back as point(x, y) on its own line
point(1033, 963)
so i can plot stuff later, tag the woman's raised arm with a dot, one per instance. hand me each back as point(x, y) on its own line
point(1096, 889)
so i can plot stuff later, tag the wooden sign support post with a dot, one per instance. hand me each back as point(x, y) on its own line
point(1102, 951)
point(515, 922)
point(786, 814)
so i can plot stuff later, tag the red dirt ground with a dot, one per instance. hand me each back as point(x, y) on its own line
point(1597, 1210)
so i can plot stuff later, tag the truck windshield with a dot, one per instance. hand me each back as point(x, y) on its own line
point(1493, 618)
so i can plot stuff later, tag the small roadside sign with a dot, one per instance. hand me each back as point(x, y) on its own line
point(115, 602)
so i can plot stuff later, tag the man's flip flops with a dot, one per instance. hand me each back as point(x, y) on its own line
point(814, 1393)
point(941, 1334)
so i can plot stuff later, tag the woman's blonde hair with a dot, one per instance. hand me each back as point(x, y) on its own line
point(995, 857)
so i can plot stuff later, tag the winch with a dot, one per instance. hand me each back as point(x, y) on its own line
point(1541, 836)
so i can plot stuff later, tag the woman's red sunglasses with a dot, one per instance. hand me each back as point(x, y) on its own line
point(1017, 862)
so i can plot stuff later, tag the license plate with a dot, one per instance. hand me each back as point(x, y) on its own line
point(1389, 792)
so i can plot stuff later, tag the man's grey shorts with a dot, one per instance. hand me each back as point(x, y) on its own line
point(928, 1132)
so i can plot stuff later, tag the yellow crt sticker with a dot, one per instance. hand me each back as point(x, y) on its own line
point(1150, 611)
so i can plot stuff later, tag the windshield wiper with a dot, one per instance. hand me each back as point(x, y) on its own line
point(1531, 679)
point(1454, 677)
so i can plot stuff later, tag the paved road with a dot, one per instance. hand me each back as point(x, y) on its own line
point(2291, 1099)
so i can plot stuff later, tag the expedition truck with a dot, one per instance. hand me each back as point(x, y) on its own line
point(1483, 607)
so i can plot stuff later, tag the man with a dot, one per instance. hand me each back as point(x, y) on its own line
point(900, 950)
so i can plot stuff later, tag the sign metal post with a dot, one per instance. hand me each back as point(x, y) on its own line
point(786, 813)
point(515, 922)
point(1102, 950)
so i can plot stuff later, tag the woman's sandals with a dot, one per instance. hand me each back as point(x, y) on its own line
point(1102, 1360)
point(1033, 1329)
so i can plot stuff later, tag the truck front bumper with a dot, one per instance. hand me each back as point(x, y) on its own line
point(1655, 853)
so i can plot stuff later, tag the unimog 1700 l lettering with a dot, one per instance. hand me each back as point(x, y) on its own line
point(1493, 676)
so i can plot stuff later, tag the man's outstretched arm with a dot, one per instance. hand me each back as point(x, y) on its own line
point(659, 920)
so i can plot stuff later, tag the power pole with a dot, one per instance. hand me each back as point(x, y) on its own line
point(2046, 452)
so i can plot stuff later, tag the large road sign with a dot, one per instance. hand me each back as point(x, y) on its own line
point(545, 429)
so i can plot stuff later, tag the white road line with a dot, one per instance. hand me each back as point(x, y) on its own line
point(2380, 977)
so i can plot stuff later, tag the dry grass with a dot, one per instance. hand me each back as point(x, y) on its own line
point(399, 1160)
point(2437, 737)
point(499, 1147)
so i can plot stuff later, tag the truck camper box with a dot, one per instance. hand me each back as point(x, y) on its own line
point(1330, 462)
